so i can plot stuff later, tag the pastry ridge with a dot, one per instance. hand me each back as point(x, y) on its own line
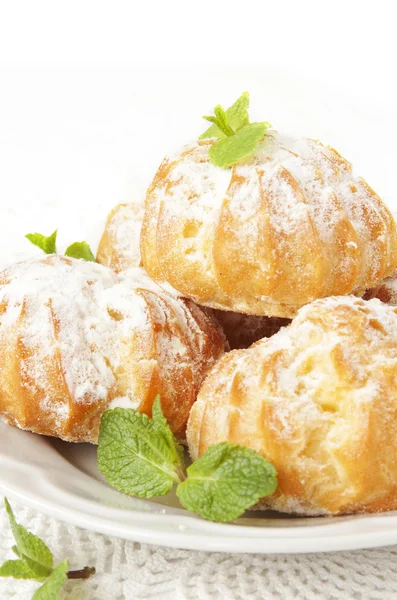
point(119, 250)
point(77, 339)
point(319, 400)
point(265, 237)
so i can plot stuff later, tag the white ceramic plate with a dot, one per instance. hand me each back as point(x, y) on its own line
point(62, 480)
point(85, 140)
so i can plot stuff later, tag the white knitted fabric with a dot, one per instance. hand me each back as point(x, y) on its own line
point(134, 571)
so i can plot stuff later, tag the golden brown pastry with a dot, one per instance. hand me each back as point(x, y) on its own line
point(119, 250)
point(319, 400)
point(77, 339)
point(119, 244)
point(267, 236)
point(243, 330)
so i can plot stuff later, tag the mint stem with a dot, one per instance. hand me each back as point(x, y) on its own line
point(181, 474)
point(81, 573)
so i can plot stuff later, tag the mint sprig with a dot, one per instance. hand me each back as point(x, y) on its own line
point(18, 569)
point(225, 481)
point(35, 561)
point(135, 453)
point(80, 250)
point(30, 548)
point(237, 117)
point(46, 243)
point(231, 150)
point(53, 585)
point(221, 121)
point(140, 457)
point(237, 137)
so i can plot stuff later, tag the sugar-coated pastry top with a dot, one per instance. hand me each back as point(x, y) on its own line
point(119, 250)
point(319, 400)
point(76, 338)
point(265, 237)
point(119, 244)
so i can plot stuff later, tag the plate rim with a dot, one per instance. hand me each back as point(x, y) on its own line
point(30, 482)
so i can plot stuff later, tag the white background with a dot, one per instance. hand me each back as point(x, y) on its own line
point(92, 95)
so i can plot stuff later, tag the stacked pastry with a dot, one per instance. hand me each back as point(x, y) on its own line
point(119, 249)
point(289, 233)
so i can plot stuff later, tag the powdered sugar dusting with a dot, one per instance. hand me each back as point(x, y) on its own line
point(317, 399)
point(77, 296)
point(325, 231)
point(322, 329)
point(194, 194)
point(120, 246)
point(86, 316)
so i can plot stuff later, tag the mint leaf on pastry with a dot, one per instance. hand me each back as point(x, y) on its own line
point(237, 117)
point(135, 454)
point(140, 457)
point(237, 138)
point(226, 481)
point(221, 121)
point(80, 250)
point(46, 244)
point(51, 588)
point(231, 150)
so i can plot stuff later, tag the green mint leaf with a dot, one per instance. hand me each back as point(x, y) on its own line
point(41, 572)
point(162, 427)
point(80, 250)
point(237, 118)
point(231, 150)
point(51, 588)
point(18, 569)
point(29, 546)
point(221, 121)
point(46, 244)
point(132, 455)
point(226, 481)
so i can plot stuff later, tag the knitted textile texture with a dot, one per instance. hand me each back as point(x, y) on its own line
point(134, 571)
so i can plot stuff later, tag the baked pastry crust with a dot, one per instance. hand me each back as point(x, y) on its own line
point(265, 237)
point(77, 339)
point(319, 400)
point(119, 249)
point(119, 244)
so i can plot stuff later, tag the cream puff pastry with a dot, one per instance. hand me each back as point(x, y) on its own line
point(77, 339)
point(119, 250)
point(319, 400)
point(288, 226)
point(119, 244)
